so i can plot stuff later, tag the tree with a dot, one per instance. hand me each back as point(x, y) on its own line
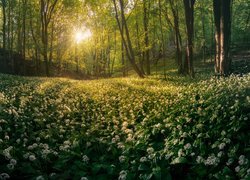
point(222, 18)
point(189, 16)
point(46, 12)
point(176, 27)
point(3, 4)
point(126, 36)
point(146, 10)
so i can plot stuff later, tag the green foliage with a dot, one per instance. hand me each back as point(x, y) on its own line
point(124, 128)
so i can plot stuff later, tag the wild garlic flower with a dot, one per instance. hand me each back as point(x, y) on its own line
point(187, 146)
point(150, 150)
point(40, 178)
point(85, 158)
point(122, 159)
point(199, 159)
point(222, 146)
point(143, 159)
point(123, 175)
point(84, 178)
point(32, 157)
point(13, 162)
point(4, 176)
point(211, 160)
point(237, 169)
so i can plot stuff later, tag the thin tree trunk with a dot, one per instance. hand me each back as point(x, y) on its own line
point(189, 16)
point(4, 23)
point(126, 38)
point(141, 58)
point(178, 39)
point(203, 32)
point(217, 15)
point(146, 34)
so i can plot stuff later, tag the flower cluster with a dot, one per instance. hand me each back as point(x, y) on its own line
point(123, 128)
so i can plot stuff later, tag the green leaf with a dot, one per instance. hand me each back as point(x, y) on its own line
point(143, 167)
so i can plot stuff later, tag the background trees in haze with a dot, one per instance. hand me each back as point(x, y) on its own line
point(37, 37)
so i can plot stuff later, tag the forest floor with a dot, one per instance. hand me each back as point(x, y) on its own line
point(241, 62)
point(126, 128)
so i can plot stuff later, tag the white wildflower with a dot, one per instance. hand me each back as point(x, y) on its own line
point(220, 154)
point(179, 127)
point(223, 133)
point(222, 146)
point(88, 144)
point(187, 146)
point(230, 161)
point(212, 160)
point(4, 176)
point(124, 124)
point(32, 157)
point(185, 134)
point(84, 178)
point(13, 161)
point(122, 175)
point(52, 174)
point(143, 159)
point(40, 178)
point(242, 160)
point(199, 159)
point(237, 169)
point(85, 158)
point(181, 153)
point(150, 150)
point(6, 137)
point(122, 159)
point(120, 145)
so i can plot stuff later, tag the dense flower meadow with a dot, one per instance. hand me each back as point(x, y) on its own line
point(124, 128)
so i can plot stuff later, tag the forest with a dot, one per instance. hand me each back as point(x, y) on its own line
point(125, 89)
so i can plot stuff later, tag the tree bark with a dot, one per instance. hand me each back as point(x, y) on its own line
point(146, 34)
point(4, 22)
point(189, 16)
point(46, 12)
point(126, 38)
point(222, 17)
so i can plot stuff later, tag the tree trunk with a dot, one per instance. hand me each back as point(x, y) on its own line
point(203, 32)
point(4, 22)
point(146, 35)
point(46, 11)
point(222, 17)
point(126, 38)
point(178, 39)
point(189, 16)
point(141, 57)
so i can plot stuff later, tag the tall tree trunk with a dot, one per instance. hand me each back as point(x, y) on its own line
point(141, 57)
point(123, 52)
point(46, 11)
point(203, 32)
point(217, 15)
point(51, 43)
point(126, 38)
point(146, 6)
point(189, 16)
point(4, 22)
point(222, 17)
point(178, 39)
point(24, 8)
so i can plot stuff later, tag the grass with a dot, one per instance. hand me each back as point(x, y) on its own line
point(125, 128)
